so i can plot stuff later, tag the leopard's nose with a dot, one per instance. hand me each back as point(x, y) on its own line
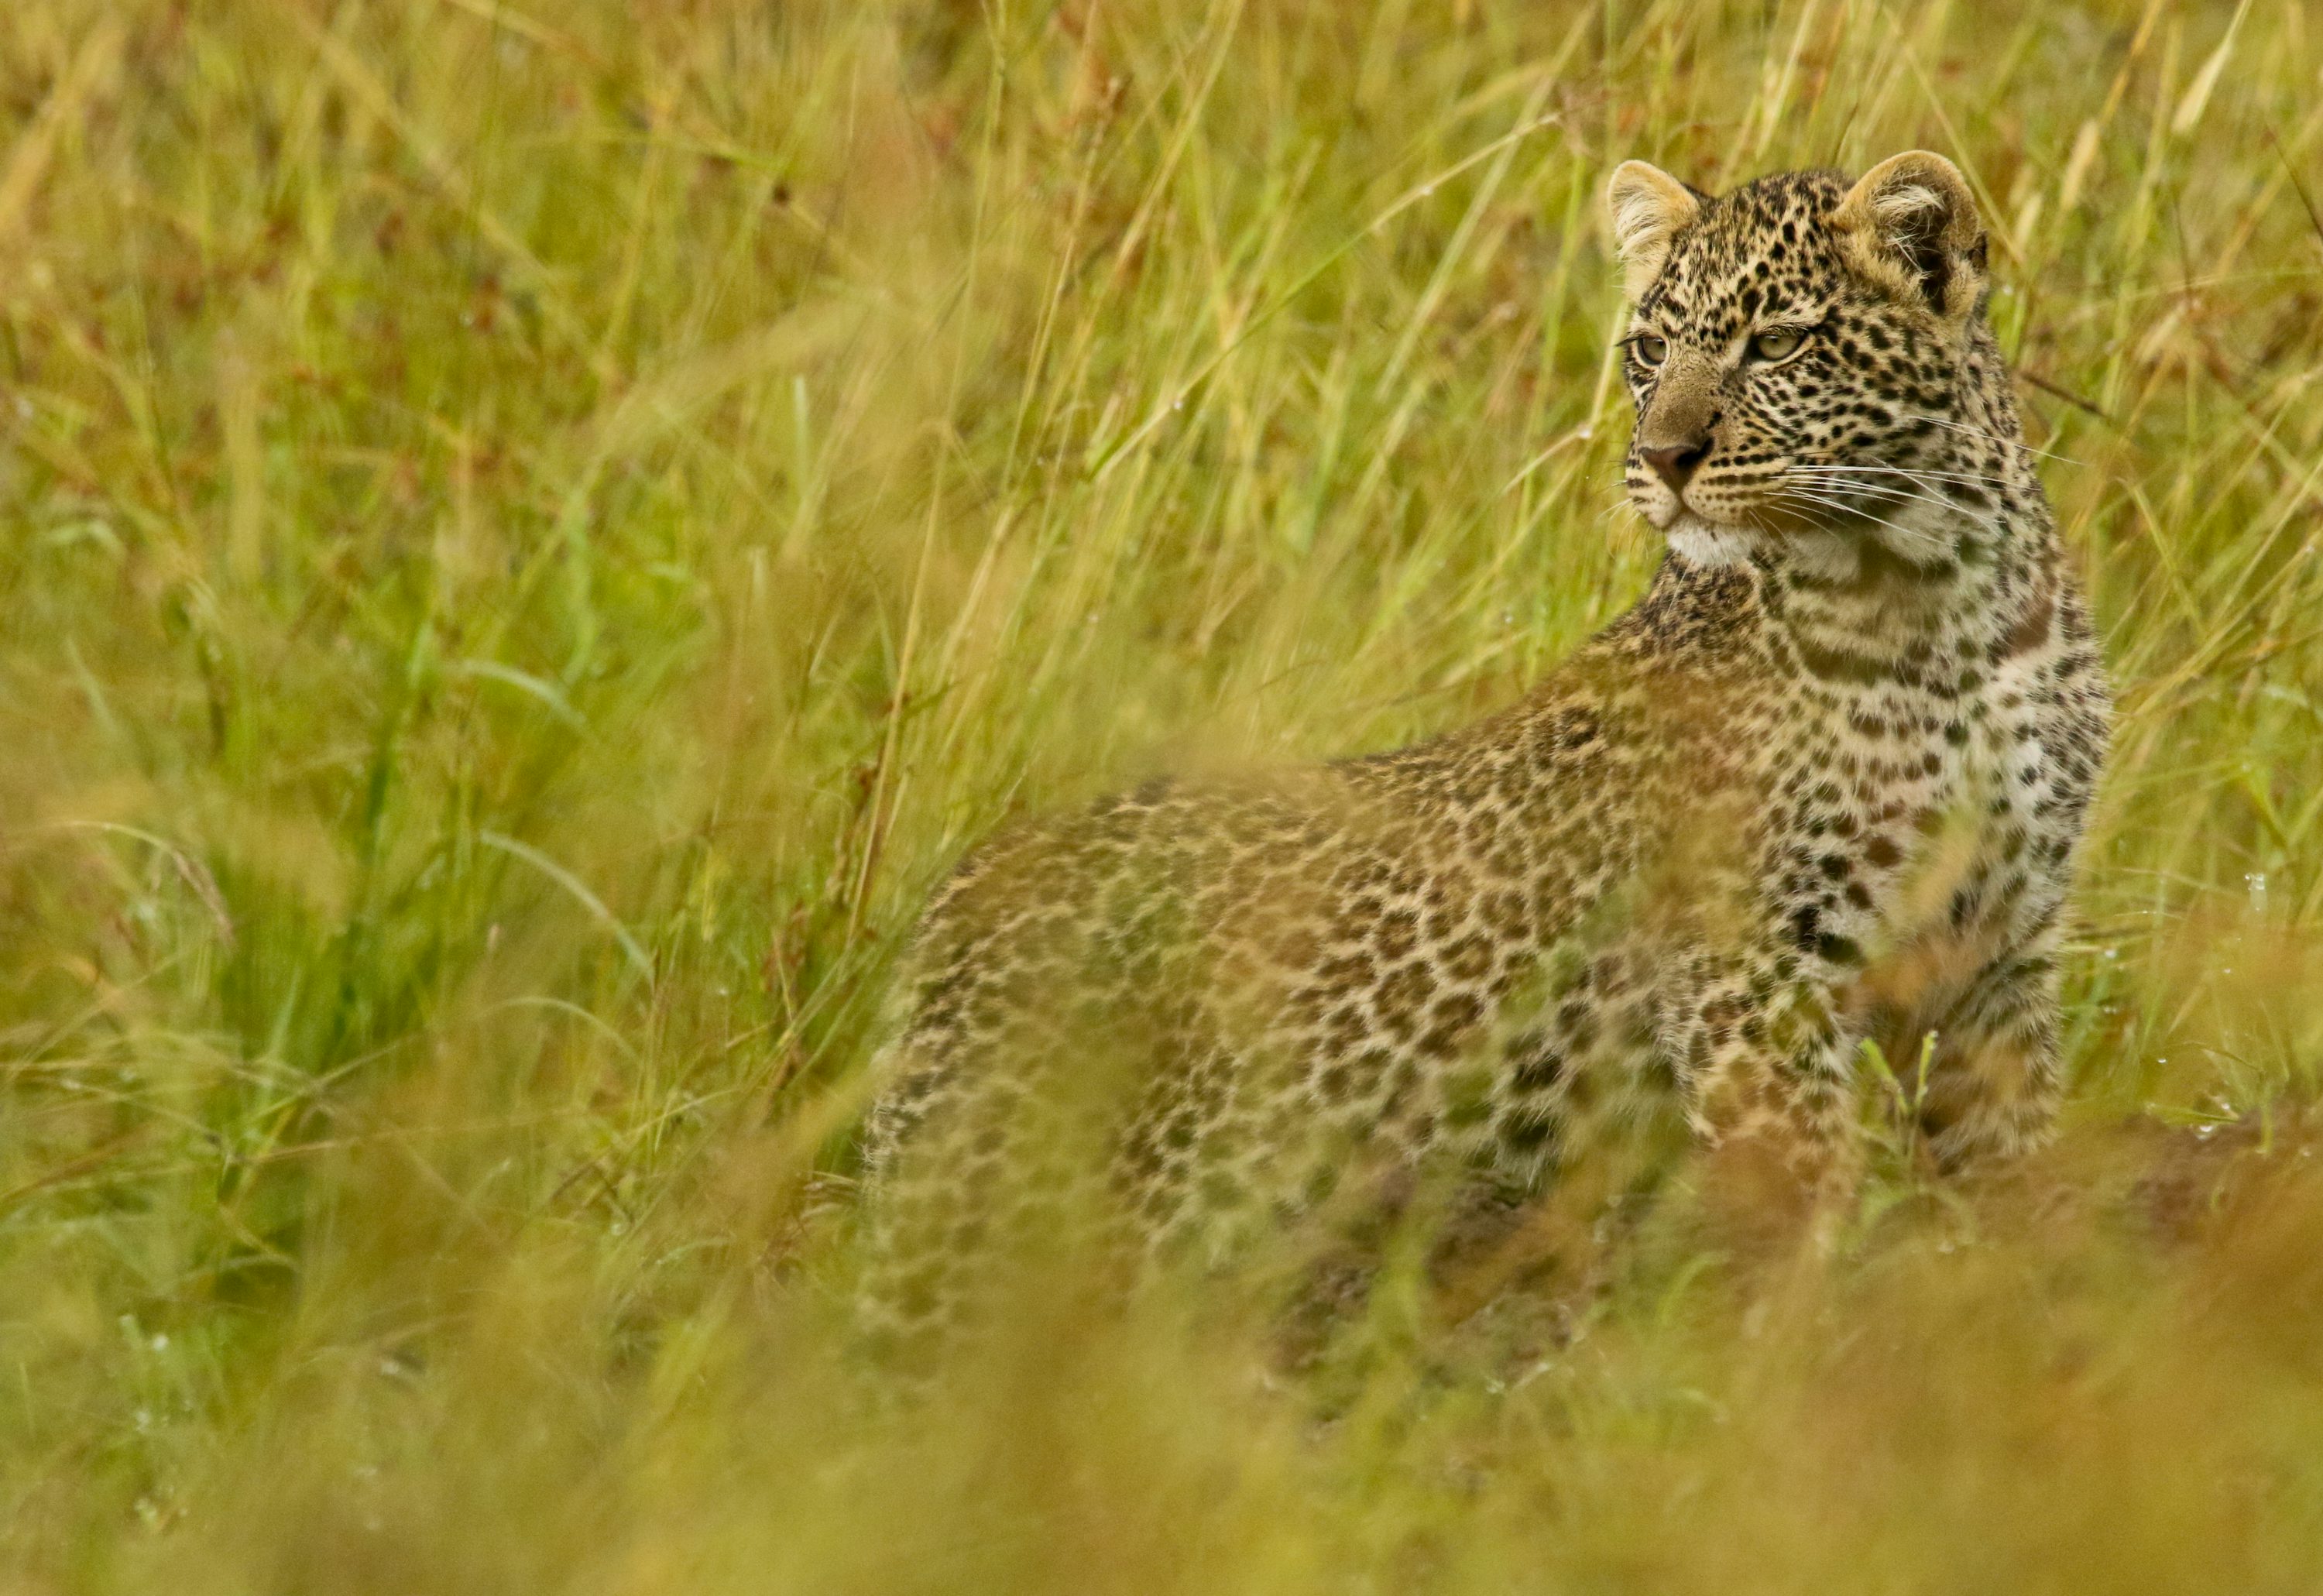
point(1674, 463)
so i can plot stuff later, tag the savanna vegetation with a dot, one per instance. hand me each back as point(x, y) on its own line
point(534, 533)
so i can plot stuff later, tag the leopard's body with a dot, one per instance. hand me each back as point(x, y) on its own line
point(1822, 785)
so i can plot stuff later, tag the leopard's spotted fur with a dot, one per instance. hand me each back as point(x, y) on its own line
point(1822, 785)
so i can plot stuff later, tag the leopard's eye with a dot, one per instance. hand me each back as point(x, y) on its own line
point(1648, 349)
point(1777, 345)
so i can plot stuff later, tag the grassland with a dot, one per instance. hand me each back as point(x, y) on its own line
point(533, 533)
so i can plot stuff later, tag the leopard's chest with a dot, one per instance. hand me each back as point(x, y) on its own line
point(1869, 774)
point(1931, 822)
point(2037, 744)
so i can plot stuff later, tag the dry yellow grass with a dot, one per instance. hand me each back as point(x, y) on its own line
point(534, 532)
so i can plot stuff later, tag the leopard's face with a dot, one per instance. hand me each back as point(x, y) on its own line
point(1799, 351)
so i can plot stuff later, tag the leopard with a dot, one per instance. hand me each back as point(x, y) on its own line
point(1803, 818)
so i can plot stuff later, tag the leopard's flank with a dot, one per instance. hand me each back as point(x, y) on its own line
point(1821, 787)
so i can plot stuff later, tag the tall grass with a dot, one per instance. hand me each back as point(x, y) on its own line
point(534, 533)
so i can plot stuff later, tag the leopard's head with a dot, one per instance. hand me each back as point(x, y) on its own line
point(1808, 353)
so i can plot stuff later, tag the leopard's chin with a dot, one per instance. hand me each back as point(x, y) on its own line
point(1700, 541)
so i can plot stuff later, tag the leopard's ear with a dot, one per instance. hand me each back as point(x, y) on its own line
point(1649, 209)
point(1910, 227)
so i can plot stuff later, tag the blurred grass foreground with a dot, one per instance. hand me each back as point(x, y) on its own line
point(533, 533)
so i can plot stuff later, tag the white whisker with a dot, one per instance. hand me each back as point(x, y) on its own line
point(1919, 472)
point(1994, 437)
point(1880, 490)
point(1914, 536)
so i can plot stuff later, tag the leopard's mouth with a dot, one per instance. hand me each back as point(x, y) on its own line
point(1762, 502)
point(1749, 502)
point(1709, 504)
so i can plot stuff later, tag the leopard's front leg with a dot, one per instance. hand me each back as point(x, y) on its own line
point(1770, 1071)
point(1995, 1071)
